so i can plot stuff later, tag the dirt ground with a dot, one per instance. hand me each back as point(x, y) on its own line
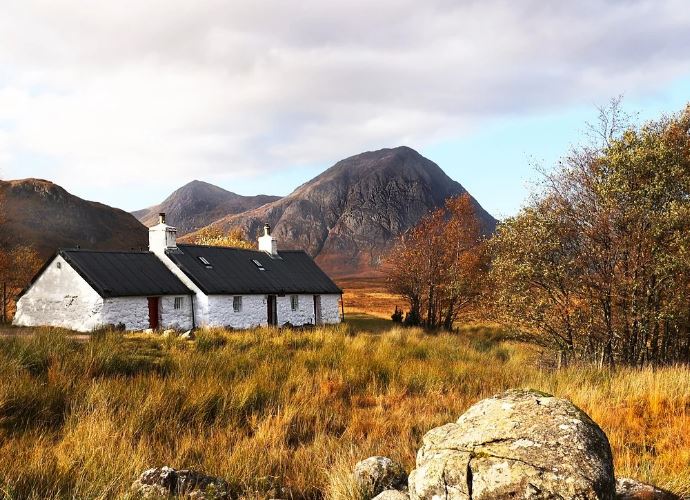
point(7, 330)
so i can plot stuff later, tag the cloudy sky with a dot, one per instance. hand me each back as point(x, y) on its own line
point(124, 101)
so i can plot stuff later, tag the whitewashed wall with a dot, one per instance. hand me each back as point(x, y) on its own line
point(179, 319)
point(201, 300)
point(132, 311)
point(60, 297)
point(303, 315)
point(330, 309)
point(254, 312)
point(221, 313)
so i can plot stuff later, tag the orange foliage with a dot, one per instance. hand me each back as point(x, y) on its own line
point(216, 238)
point(438, 265)
point(17, 267)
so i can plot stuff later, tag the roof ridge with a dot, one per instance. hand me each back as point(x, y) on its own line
point(255, 250)
point(218, 246)
point(101, 251)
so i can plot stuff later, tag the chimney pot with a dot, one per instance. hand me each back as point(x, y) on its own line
point(161, 236)
point(267, 243)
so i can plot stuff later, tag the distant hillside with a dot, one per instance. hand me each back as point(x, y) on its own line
point(198, 204)
point(42, 214)
point(349, 216)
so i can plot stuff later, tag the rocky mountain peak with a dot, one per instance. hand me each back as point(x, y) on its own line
point(349, 216)
point(198, 204)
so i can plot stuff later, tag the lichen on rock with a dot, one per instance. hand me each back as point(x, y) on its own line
point(518, 444)
point(165, 482)
point(377, 474)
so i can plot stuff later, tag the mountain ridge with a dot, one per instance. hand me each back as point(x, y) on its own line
point(348, 216)
point(197, 204)
point(44, 215)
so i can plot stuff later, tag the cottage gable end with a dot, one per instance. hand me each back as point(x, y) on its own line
point(59, 296)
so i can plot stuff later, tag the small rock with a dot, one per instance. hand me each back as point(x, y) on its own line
point(392, 495)
point(629, 489)
point(377, 474)
point(279, 493)
point(148, 330)
point(166, 481)
point(519, 444)
point(188, 335)
point(167, 333)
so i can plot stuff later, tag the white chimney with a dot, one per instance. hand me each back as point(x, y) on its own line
point(161, 236)
point(267, 243)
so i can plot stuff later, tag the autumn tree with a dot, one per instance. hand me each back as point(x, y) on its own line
point(597, 264)
point(437, 264)
point(213, 236)
point(17, 266)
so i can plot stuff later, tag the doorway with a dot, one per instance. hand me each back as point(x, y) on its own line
point(153, 312)
point(271, 310)
point(317, 309)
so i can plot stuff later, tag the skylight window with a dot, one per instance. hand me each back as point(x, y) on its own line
point(205, 262)
point(258, 264)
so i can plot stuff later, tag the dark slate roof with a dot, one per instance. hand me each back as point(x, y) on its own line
point(124, 274)
point(232, 271)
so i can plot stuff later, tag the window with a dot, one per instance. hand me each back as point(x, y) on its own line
point(205, 262)
point(178, 302)
point(258, 264)
point(237, 303)
point(294, 302)
point(59, 265)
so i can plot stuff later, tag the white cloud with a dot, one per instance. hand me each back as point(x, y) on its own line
point(119, 93)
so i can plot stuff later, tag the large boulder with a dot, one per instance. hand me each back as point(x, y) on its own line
point(377, 474)
point(629, 489)
point(392, 495)
point(519, 444)
point(166, 481)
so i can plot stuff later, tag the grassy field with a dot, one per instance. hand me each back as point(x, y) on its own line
point(268, 409)
point(369, 296)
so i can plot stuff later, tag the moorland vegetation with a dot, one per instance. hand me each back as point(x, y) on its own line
point(293, 410)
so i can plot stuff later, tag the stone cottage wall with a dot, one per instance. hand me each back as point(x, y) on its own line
point(221, 313)
point(201, 300)
point(330, 308)
point(254, 311)
point(303, 315)
point(179, 319)
point(60, 297)
point(132, 311)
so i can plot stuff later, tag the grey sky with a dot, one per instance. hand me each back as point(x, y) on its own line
point(107, 97)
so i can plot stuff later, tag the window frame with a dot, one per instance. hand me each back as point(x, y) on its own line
point(294, 302)
point(178, 303)
point(237, 303)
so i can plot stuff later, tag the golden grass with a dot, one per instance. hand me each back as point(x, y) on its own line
point(268, 409)
point(369, 296)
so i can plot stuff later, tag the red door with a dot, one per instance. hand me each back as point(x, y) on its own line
point(153, 313)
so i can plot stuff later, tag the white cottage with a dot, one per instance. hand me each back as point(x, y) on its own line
point(179, 286)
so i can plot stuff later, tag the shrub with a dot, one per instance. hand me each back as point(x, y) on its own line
point(397, 315)
point(412, 318)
